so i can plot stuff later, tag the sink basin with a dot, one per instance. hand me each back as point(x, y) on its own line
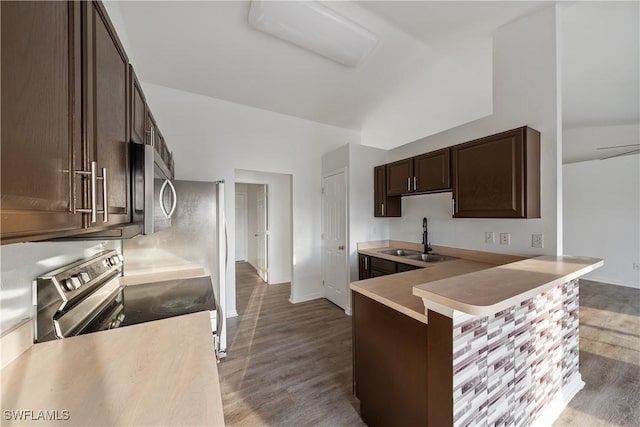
point(400, 252)
point(431, 257)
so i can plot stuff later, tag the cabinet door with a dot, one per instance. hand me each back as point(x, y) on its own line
point(363, 267)
point(400, 177)
point(106, 111)
point(492, 177)
point(138, 110)
point(432, 171)
point(41, 91)
point(384, 206)
point(382, 265)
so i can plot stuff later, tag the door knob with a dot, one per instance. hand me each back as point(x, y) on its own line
point(341, 248)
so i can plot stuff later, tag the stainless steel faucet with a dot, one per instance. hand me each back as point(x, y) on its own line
point(425, 236)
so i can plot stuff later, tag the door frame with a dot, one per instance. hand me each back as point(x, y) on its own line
point(245, 224)
point(347, 243)
point(266, 248)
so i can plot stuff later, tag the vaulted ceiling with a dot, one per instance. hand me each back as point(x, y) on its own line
point(208, 48)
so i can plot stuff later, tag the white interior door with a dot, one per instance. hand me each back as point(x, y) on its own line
point(334, 239)
point(262, 234)
point(241, 226)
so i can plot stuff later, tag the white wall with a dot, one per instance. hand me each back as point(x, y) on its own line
point(525, 92)
point(582, 143)
point(602, 216)
point(465, 95)
point(212, 138)
point(23, 262)
point(363, 226)
point(280, 252)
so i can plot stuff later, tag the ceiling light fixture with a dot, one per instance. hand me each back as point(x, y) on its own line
point(315, 27)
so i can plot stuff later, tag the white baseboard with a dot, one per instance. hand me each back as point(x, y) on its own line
point(307, 297)
point(611, 281)
point(231, 314)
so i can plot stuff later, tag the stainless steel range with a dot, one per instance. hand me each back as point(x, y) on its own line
point(87, 296)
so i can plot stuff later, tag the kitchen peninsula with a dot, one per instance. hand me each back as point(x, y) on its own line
point(478, 340)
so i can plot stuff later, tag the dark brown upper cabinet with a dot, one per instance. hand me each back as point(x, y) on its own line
point(106, 112)
point(384, 206)
point(152, 129)
point(498, 176)
point(400, 177)
point(427, 173)
point(65, 121)
point(41, 119)
point(432, 172)
point(138, 108)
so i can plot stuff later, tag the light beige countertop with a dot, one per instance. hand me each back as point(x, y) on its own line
point(488, 291)
point(158, 373)
point(478, 283)
point(159, 274)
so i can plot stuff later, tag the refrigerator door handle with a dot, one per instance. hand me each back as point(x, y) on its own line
point(226, 246)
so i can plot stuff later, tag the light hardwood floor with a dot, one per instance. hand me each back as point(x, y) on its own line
point(609, 358)
point(290, 364)
point(287, 364)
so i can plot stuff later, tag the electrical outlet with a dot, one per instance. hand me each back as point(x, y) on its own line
point(636, 265)
point(537, 241)
point(489, 237)
point(505, 238)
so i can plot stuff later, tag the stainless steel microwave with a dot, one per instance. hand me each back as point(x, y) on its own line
point(153, 195)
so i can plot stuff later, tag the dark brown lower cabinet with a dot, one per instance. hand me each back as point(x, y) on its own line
point(402, 368)
point(390, 365)
point(369, 266)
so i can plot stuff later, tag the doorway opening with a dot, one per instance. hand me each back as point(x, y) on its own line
point(252, 227)
point(263, 224)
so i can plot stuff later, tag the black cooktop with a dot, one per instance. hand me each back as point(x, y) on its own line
point(160, 300)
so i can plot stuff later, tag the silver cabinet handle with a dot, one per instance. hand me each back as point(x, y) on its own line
point(366, 263)
point(415, 183)
point(105, 198)
point(453, 206)
point(383, 209)
point(408, 184)
point(161, 198)
point(94, 190)
point(93, 210)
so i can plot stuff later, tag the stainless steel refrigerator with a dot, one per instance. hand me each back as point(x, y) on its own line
point(196, 237)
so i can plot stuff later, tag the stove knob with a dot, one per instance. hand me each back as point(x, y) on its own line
point(120, 257)
point(68, 285)
point(75, 282)
point(84, 277)
point(106, 262)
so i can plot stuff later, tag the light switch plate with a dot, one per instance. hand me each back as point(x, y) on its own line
point(489, 237)
point(505, 238)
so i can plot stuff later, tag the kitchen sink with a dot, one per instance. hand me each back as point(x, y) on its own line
point(401, 252)
point(430, 257)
